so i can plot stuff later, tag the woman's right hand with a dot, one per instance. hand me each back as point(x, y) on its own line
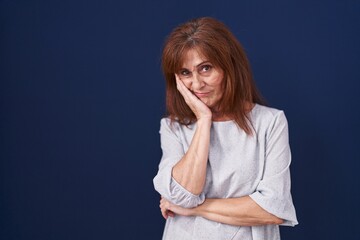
point(190, 170)
point(199, 108)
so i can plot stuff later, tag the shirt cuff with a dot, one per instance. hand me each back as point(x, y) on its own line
point(182, 197)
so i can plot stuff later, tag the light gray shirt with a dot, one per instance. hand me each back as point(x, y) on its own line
point(238, 165)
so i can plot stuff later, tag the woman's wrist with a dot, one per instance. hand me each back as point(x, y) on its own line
point(199, 210)
point(204, 121)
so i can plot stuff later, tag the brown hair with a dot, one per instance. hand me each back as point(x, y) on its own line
point(216, 42)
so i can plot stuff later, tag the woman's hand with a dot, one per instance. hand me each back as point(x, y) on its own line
point(170, 210)
point(199, 108)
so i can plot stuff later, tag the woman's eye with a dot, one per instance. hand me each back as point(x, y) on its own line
point(184, 72)
point(205, 68)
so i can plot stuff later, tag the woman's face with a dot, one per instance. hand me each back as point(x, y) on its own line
point(202, 78)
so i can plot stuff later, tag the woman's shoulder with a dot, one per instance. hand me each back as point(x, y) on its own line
point(265, 115)
point(173, 125)
point(265, 111)
point(165, 121)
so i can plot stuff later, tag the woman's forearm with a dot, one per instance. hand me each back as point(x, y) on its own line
point(235, 211)
point(190, 171)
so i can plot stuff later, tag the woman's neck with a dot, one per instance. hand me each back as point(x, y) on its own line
point(218, 116)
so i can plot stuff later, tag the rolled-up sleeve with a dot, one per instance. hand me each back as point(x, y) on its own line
point(172, 152)
point(273, 192)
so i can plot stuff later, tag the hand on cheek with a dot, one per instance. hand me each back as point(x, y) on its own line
point(199, 108)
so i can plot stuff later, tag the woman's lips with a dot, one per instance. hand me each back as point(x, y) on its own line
point(200, 94)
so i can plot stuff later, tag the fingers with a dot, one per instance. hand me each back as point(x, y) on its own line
point(181, 87)
point(165, 208)
point(191, 100)
point(164, 213)
point(196, 105)
point(170, 213)
point(187, 94)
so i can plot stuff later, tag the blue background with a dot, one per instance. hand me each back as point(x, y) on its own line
point(82, 95)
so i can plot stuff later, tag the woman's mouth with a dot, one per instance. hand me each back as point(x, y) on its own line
point(201, 94)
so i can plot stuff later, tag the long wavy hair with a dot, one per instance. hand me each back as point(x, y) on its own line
point(217, 44)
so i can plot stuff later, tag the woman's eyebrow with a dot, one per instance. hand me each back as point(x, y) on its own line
point(202, 63)
point(198, 65)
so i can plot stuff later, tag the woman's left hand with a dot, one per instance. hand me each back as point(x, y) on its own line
point(170, 210)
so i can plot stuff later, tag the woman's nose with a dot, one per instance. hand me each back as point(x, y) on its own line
point(197, 82)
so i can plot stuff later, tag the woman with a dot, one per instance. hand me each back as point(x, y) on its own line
point(224, 173)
